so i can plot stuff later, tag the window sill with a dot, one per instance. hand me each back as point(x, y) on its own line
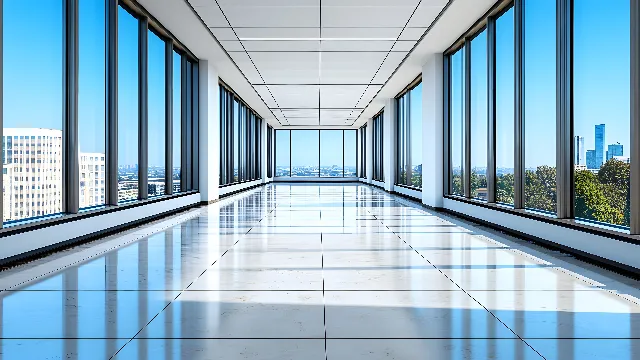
point(21, 226)
point(574, 224)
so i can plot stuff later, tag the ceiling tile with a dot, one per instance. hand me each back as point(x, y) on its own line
point(352, 46)
point(362, 16)
point(211, 15)
point(223, 33)
point(283, 46)
point(293, 96)
point(340, 96)
point(425, 15)
point(272, 16)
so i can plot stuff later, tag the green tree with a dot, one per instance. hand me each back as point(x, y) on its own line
point(614, 176)
point(540, 188)
point(504, 188)
point(591, 201)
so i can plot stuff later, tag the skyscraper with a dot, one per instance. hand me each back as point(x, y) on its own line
point(579, 150)
point(614, 150)
point(591, 160)
point(599, 145)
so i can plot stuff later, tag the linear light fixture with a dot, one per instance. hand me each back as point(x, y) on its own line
point(317, 39)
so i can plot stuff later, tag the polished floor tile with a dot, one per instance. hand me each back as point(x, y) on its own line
point(339, 271)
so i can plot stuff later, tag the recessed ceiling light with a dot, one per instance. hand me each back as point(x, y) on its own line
point(318, 39)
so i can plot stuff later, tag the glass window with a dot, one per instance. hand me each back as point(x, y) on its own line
point(505, 84)
point(269, 151)
point(283, 152)
point(331, 153)
point(91, 101)
point(378, 148)
point(156, 171)
point(479, 116)
point(127, 106)
point(177, 122)
point(305, 147)
point(236, 140)
point(601, 110)
point(456, 111)
point(540, 104)
point(415, 135)
point(350, 153)
point(32, 99)
point(402, 130)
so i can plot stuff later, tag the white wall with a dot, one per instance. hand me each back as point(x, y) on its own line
point(43, 237)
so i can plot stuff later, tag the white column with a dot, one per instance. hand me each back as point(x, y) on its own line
point(209, 97)
point(389, 143)
point(432, 131)
point(369, 151)
point(265, 151)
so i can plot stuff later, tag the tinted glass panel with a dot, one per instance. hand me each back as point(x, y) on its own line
point(305, 154)
point(156, 115)
point(331, 155)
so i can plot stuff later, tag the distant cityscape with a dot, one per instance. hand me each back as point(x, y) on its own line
point(316, 171)
point(32, 175)
point(593, 159)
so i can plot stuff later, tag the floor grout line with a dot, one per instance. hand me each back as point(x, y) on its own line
point(474, 299)
point(180, 293)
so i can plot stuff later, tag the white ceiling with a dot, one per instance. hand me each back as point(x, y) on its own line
point(317, 62)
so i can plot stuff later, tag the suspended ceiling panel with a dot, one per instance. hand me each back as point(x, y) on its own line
point(318, 62)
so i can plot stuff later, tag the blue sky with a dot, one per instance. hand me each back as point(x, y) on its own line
point(33, 58)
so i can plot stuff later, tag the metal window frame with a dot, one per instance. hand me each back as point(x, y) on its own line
point(195, 127)
point(491, 110)
point(2, 107)
point(184, 120)
point(564, 110)
point(70, 149)
point(466, 171)
point(446, 128)
point(518, 105)
point(168, 118)
point(111, 106)
point(143, 109)
point(634, 182)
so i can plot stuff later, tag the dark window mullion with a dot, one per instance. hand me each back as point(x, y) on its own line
point(143, 106)
point(70, 158)
point(168, 118)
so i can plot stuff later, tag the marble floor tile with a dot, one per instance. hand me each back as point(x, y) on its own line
point(336, 271)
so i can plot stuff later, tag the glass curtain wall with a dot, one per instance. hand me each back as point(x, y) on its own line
point(240, 159)
point(409, 137)
point(378, 148)
point(599, 75)
point(177, 122)
point(38, 150)
point(315, 153)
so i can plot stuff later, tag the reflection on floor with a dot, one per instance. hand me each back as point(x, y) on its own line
point(314, 272)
